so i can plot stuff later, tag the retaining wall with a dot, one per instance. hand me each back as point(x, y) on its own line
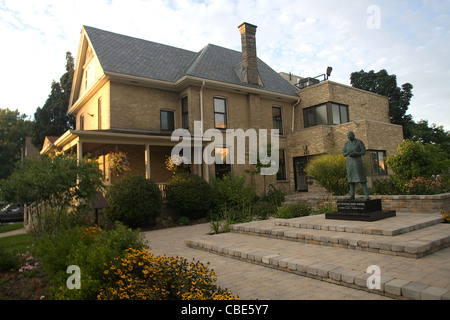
point(400, 203)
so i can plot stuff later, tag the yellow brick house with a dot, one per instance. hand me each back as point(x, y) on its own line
point(130, 94)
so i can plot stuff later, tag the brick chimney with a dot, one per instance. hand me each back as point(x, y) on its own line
point(249, 59)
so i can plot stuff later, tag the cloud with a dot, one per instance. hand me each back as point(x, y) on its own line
point(302, 37)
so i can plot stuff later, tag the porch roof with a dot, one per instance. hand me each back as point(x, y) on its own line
point(112, 136)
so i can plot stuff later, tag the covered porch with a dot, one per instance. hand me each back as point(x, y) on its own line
point(146, 152)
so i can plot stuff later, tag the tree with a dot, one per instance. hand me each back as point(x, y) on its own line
point(58, 182)
point(421, 131)
point(52, 119)
point(13, 129)
point(415, 159)
point(385, 84)
point(399, 100)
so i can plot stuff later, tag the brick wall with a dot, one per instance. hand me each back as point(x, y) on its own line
point(134, 107)
point(362, 105)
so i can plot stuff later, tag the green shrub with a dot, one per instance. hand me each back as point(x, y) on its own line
point(329, 170)
point(274, 196)
point(421, 185)
point(134, 200)
point(415, 159)
point(231, 192)
point(298, 209)
point(183, 221)
point(189, 195)
point(386, 186)
point(89, 248)
point(8, 261)
point(264, 209)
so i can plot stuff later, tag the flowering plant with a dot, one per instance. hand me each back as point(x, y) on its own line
point(118, 162)
point(30, 263)
point(176, 163)
point(445, 216)
point(421, 185)
point(140, 275)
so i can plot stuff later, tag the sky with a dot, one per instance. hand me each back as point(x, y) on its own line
point(410, 39)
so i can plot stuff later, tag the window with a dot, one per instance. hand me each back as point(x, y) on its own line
point(339, 113)
point(89, 75)
point(328, 114)
point(281, 174)
point(377, 162)
point(315, 116)
point(184, 113)
point(167, 120)
point(82, 122)
point(220, 113)
point(222, 162)
point(277, 119)
point(99, 105)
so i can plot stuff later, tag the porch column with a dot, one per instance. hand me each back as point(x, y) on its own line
point(147, 161)
point(79, 150)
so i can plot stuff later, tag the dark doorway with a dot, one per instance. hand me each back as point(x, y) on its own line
point(301, 183)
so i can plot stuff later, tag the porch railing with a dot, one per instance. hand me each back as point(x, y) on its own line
point(162, 188)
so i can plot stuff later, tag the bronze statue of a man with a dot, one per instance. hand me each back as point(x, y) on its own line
point(354, 149)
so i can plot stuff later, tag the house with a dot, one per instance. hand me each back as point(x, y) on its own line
point(129, 95)
point(326, 112)
point(29, 150)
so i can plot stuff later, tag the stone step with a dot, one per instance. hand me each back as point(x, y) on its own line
point(336, 265)
point(395, 237)
point(402, 223)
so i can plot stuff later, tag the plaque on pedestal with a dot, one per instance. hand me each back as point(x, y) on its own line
point(360, 210)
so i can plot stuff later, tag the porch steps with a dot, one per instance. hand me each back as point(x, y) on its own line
point(341, 251)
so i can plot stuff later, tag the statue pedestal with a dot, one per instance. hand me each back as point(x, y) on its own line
point(360, 210)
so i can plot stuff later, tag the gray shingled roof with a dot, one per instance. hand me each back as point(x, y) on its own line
point(132, 56)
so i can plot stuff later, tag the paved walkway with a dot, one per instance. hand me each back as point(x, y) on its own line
point(12, 233)
point(253, 281)
point(247, 280)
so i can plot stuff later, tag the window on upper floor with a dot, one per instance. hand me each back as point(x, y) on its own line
point(89, 74)
point(82, 122)
point(277, 119)
point(167, 120)
point(220, 113)
point(329, 114)
point(184, 113)
point(339, 113)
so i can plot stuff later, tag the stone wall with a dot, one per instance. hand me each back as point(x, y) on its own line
point(428, 204)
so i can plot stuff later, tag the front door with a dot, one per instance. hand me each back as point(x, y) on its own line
point(300, 173)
